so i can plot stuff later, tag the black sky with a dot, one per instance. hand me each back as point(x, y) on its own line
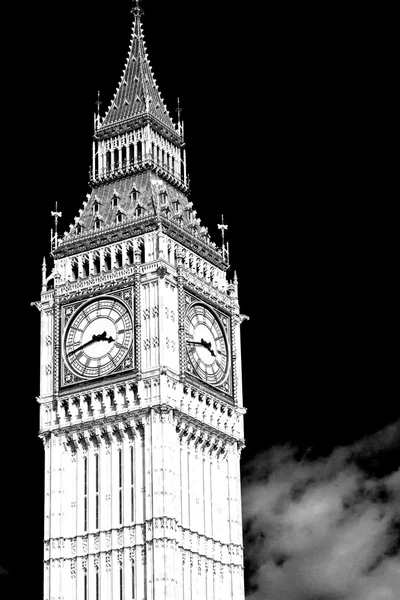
point(286, 119)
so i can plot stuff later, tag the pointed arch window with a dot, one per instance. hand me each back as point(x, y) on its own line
point(74, 270)
point(130, 255)
point(118, 258)
point(134, 195)
point(97, 224)
point(107, 261)
point(85, 267)
point(96, 264)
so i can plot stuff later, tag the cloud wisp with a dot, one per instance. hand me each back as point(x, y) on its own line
point(325, 528)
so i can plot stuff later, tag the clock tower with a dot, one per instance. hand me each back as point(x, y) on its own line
point(141, 411)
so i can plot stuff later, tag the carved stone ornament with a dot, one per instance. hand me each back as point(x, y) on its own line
point(73, 568)
point(162, 271)
point(108, 561)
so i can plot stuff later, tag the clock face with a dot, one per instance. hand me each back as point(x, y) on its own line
point(98, 337)
point(206, 344)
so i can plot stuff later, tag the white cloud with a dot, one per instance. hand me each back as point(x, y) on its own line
point(323, 529)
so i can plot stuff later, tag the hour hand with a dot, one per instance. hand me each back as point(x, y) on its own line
point(208, 346)
point(103, 338)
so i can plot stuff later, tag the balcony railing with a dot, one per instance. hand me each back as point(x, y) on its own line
point(146, 161)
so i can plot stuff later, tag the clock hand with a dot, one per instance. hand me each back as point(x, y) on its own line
point(95, 338)
point(203, 343)
point(103, 338)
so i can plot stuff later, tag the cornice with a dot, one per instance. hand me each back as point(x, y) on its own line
point(154, 531)
point(136, 227)
point(136, 122)
point(193, 243)
point(112, 234)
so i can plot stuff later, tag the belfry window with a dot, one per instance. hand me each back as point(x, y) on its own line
point(116, 158)
point(132, 153)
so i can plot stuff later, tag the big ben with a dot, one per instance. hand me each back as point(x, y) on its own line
point(141, 408)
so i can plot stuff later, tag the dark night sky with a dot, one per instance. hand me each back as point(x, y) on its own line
point(283, 123)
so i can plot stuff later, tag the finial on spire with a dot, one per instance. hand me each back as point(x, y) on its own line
point(179, 110)
point(223, 228)
point(97, 116)
point(54, 238)
point(137, 10)
point(98, 102)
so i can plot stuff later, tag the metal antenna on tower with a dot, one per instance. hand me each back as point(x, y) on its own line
point(54, 238)
point(223, 228)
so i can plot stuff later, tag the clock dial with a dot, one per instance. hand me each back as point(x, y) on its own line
point(98, 337)
point(206, 344)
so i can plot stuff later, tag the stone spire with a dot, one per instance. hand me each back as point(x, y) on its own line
point(137, 95)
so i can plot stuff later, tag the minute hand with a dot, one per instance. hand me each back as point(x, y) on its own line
point(95, 338)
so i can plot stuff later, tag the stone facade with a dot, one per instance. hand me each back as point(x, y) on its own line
point(142, 476)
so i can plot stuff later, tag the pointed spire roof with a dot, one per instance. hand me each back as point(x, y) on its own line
point(137, 93)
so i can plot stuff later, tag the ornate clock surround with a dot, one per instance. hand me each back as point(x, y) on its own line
point(69, 377)
point(225, 383)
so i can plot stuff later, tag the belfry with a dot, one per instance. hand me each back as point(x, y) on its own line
point(141, 409)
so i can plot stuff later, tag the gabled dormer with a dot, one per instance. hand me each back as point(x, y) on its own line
point(120, 215)
point(134, 195)
point(115, 199)
point(96, 205)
